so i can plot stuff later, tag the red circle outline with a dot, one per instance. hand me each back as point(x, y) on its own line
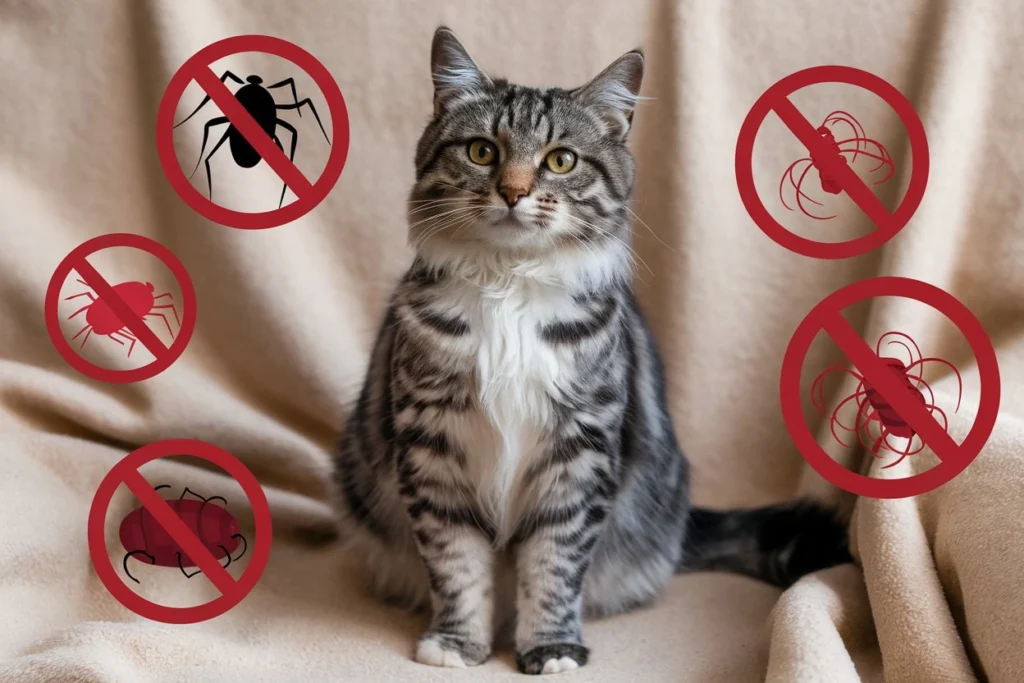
point(792, 369)
point(339, 127)
point(745, 161)
point(98, 547)
point(130, 240)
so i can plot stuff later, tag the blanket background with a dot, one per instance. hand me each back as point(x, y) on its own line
point(286, 318)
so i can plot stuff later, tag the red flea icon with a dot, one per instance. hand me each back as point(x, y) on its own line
point(876, 420)
point(102, 320)
point(858, 145)
point(142, 535)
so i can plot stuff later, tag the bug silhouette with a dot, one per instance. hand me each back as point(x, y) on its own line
point(876, 420)
point(858, 145)
point(142, 536)
point(101, 319)
point(259, 102)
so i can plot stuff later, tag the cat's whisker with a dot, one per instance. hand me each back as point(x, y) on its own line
point(632, 252)
point(579, 240)
point(422, 209)
point(467, 222)
point(445, 198)
point(654, 234)
point(631, 255)
point(448, 216)
point(460, 222)
point(457, 220)
point(634, 256)
point(443, 214)
point(439, 204)
point(433, 230)
point(460, 189)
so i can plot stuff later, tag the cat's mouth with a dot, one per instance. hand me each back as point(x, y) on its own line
point(512, 219)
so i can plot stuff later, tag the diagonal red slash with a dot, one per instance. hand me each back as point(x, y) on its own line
point(120, 308)
point(253, 133)
point(884, 380)
point(189, 542)
point(851, 183)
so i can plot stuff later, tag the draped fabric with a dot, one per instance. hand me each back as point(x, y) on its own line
point(285, 318)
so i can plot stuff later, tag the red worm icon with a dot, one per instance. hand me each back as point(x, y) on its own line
point(858, 145)
point(876, 421)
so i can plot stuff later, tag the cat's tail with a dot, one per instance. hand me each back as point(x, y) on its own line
point(778, 543)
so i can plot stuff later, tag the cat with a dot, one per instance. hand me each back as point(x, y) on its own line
point(510, 459)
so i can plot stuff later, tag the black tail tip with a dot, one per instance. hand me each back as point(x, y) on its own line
point(808, 537)
point(777, 544)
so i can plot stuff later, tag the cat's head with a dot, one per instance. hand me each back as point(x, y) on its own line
point(507, 168)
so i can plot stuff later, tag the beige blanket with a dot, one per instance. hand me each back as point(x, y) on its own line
point(286, 317)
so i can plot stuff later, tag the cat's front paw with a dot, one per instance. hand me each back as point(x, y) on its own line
point(552, 659)
point(450, 650)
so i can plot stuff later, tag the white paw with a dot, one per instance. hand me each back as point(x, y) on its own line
point(557, 666)
point(429, 651)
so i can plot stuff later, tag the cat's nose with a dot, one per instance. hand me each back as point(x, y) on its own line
point(512, 195)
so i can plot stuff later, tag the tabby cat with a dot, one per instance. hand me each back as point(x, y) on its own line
point(511, 462)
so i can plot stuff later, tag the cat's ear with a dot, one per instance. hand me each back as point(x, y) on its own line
point(452, 68)
point(613, 94)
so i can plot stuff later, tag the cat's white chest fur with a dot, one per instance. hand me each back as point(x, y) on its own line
point(517, 374)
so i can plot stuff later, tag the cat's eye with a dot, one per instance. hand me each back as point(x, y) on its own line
point(560, 161)
point(482, 152)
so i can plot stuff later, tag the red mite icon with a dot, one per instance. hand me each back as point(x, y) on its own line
point(141, 535)
point(876, 420)
point(99, 318)
point(858, 145)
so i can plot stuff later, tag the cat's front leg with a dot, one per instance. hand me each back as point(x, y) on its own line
point(459, 557)
point(459, 561)
point(554, 547)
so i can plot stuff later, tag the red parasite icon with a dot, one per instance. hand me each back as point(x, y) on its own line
point(99, 317)
point(858, 145)
point(876, 421)
point(142, 535)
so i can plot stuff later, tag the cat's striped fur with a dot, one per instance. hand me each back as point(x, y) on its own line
point(511, 453)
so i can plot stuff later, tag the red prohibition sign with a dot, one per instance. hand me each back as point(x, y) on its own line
point(776, 99)
point(826, 316)
point(77, 261)
point(127, 472)
point(197, 68)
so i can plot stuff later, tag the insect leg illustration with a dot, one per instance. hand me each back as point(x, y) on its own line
point(124, 562)
point(187, 575)
point(226, 75)
point(298, 105)
point(171, 306)
point(291, 154)
point(290, 82)
point(206, 135)
point(245, 546)
point(125, 334)
point(209, 178)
